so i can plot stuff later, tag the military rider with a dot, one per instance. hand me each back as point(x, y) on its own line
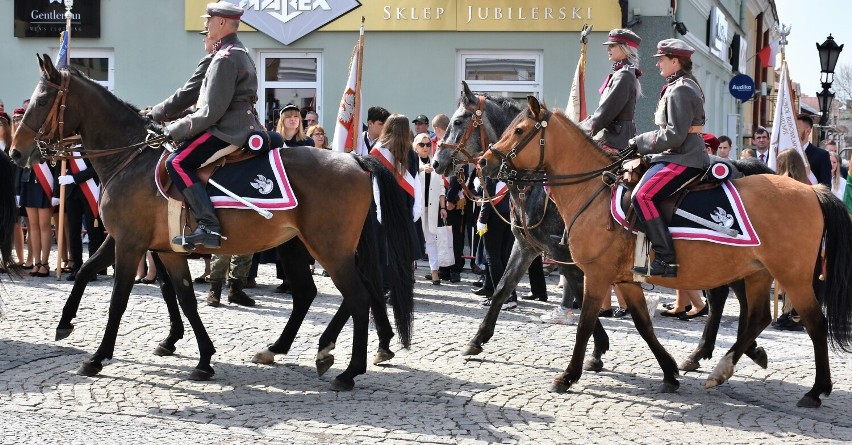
point(224, 115)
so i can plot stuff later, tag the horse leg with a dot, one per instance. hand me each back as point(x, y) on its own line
point(103, 258)
point(635, 299)
point(167, 346)
point(815, 324)
point(593, 295)
point(757, 318)
point(125, 270)
point(178, 271)
point(756, 353)
point(573, 292)
point(519, 261)
point(716, 299)
point(356, 299)
point(294, 261)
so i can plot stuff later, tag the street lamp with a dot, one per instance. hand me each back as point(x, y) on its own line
point(829, 52)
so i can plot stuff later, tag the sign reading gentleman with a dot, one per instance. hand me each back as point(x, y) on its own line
point(46, 18)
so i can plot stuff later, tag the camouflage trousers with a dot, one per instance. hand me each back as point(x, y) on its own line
point(220, 264)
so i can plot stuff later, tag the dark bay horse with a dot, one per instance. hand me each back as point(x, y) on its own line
point(478, 120)
point(331, 225)
point(789, 251)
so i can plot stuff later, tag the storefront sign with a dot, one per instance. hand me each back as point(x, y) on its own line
point(46, 18)
point(741, 87)
point(289, 20)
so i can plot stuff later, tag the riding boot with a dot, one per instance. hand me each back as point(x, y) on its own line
point(215, 293)
point(236, 294)
point(207, 231)
point(664, 253)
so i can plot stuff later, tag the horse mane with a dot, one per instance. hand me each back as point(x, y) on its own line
point(149, 124)
point(561, 114)
point(752, 166)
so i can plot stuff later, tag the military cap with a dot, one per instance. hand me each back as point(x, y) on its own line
point(674, 48)
point(711, 141)
point(623, 37)
point(223, 9)
point(422, 119)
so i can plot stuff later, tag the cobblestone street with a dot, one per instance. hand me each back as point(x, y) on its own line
point(428, 394)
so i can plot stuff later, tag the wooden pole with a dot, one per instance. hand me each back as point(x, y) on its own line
point(356, 118)
point(63, 166)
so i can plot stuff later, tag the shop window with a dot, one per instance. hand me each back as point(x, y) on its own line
point(289, 77)
point(511, 74)
point(97, 64)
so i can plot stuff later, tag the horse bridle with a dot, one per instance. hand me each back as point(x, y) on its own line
point(476, 121)
point(55, 119)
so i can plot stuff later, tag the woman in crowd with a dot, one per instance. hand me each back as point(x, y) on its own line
point(5, 144)
point(434, 205)
point(317, 133)
point(838, 184)
point(35, 188)
point(680, 116)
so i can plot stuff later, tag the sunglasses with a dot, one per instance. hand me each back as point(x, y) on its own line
point(424, 144)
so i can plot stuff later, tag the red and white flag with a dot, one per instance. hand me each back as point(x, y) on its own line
point(347, 129)
point(576, 109)
point(91, 189)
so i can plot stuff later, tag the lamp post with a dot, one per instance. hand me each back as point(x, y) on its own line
point(829, 52)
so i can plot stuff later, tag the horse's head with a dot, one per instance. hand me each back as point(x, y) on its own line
point(526, 130)
point(45, 120)
point(478, 120)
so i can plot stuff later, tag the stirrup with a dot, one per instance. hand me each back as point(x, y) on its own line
point(658, 268)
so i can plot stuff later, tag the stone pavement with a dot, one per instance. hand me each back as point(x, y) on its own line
point(428, 394)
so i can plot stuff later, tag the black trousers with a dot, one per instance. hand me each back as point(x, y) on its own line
point(538, 286)
point(498, 243)
point(76, 208)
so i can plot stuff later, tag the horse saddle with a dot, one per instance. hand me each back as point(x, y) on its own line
point(697, 195)
point(258, 143)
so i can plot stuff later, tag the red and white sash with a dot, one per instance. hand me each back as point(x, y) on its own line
point(91, 190)
point(45, 178)
point(384, 156)
point(500, 192)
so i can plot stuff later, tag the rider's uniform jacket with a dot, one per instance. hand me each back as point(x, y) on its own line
point(225, 106)
point(612, 123)
point(680, 115)
point(186, 96)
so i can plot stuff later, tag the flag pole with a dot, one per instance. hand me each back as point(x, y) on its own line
point(783, 32)
point(60, 230)
point(356, 119)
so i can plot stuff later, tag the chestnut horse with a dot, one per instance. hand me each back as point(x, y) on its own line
point(479, 119)
point(332, 226)
point(792, 219)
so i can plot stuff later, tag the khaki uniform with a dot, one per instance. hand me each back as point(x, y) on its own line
point(680, 115)
point(612, 123)
point(225, 106)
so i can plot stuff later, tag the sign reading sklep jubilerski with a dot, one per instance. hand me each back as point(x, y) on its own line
point(289, 20)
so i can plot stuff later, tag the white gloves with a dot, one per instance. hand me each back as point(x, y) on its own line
point(17, 200)
point(481, 228)
point(66, 179)
point(54, 202)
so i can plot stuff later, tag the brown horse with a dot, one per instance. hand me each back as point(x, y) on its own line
point(792, 219)
point(331, 225)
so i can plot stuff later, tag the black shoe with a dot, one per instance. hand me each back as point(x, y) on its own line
point(443, 274)
point(73, 275)
point(658, 268)
point(475, 269)
point(207, 231)
point(605, 313)
point(455, 277)
point(703, 312)
point(620, 312)
point(672, 306)
point(532, 296)
point(483, 292)
point(787, 322)
point(282, 288)
point(670, 313)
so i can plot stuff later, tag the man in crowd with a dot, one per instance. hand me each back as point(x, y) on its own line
point(761, 144)
point(724, 150)
point(421, 125)
point(376, 117)
point(818, 158)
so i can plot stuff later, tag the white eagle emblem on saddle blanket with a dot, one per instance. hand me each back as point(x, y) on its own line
point(263, 185)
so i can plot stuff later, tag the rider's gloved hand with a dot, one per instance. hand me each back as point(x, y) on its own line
point(66, 179)
point(54, 202)
point(481, 228)
point(145, 112)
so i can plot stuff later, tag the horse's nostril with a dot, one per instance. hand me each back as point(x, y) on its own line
point(435, 164)
point(482, 163)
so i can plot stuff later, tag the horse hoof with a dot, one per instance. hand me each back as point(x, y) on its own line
point(558, 386)
point(201, 375)
point(323, 365)
point(63, 333)
point(689, 365)
point(809, 402)
point(759, 357)
point(712, 383)
point(593, 364)
point(339, 385)
point(164, 350)
point(264, 357)
point(90, 368)
point(472, 349)
point(383, 355)
point(668, 387)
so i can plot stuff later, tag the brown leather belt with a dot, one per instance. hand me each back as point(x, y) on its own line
point(696, 129)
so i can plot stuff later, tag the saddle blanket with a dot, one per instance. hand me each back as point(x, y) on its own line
point(261, 181)
point(721, 205)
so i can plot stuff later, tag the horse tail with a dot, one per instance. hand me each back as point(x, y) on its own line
point(837, 296)
point(399, 237)
point(8, 211)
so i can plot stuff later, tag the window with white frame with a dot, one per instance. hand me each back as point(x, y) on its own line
point(96, 63)
point(513, 74)
point(289, 77)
